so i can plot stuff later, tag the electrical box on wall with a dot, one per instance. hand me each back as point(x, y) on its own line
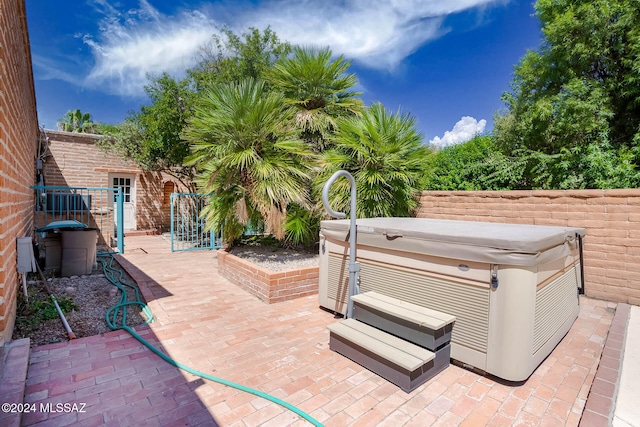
point(26, 260)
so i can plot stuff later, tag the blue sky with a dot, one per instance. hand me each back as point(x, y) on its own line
point(446, 62)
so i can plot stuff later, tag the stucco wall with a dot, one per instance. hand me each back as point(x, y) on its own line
point(611, 217)
point(18, 142)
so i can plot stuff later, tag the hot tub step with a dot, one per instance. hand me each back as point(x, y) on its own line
point(427, 328)
point(404, 364)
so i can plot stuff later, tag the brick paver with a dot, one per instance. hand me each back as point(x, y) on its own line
point(207, 323)
point(599, 409)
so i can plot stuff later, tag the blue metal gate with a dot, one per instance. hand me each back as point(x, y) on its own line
point(188, 229)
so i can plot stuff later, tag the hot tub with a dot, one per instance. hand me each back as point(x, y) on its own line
point(512, 288)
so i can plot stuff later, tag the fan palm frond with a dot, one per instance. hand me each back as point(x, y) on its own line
point(385, 154)
point(248, 154)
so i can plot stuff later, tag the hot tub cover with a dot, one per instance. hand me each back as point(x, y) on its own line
point(496, 243)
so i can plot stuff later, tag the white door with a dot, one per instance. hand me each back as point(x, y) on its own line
point(127, 184)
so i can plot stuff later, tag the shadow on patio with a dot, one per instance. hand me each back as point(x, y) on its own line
point(207, 323)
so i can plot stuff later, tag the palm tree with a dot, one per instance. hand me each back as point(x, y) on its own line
point(76, 121)
point(319, 89)
point(248, 154)
point(385, 154)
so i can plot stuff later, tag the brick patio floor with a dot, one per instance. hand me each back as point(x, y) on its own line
point(207, 323)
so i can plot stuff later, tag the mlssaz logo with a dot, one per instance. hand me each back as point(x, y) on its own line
point(63, 407)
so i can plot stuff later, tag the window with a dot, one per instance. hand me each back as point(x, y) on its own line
point(125, 185)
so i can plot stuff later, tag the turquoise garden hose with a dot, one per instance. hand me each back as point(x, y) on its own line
point(121, 308)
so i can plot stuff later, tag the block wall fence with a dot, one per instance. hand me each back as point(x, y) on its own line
point(18, 145)
point(611, 217)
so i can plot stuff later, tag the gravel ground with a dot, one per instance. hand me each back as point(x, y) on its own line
point(92, 294)
point(277, 259)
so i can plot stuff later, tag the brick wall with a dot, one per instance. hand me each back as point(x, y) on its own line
point(18, 143)
point(76, 161)
point(269, 286)
point(611, 217)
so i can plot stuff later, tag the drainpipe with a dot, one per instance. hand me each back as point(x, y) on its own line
point(354, 267)
point(67, 328)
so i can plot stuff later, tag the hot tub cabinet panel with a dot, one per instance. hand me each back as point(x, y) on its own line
point(512, 288)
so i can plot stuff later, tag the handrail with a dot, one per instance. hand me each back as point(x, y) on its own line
point(99, 207)
point(63, 187)
point(354, 266)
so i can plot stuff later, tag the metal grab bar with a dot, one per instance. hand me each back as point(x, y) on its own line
point(354, 267)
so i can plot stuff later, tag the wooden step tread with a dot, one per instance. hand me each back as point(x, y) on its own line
point(404, 310)
point(402, 353)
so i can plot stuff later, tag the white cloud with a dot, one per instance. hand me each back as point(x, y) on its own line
point(376, 33)
point(48, 70)
point(143, 41)
point(465, 129)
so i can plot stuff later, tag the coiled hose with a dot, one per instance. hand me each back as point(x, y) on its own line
point(115, 276)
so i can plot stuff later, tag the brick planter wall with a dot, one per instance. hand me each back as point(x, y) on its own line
point(269, 286)
point(611, 217)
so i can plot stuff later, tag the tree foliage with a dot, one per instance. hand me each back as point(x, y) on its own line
point(229, 57)
point(77, 121)
point(250, 123)
point(152, 136)
point(479, 165)
point(595, 165)
point(575, 102)
point(309, 83)
point(385, 154)
point(474, 165)
point(319, 88)
point(249, 155)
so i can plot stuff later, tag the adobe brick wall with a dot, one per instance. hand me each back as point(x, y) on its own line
point(611, 217)
point(269, 286)
point(18, 144)
point(76, 161)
